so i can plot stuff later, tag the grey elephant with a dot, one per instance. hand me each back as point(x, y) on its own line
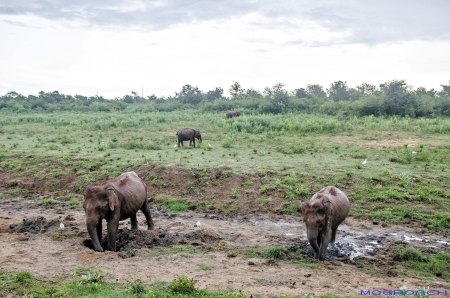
point(231, 114)
point(114, 200)
point(322, 215)
point(188, 134)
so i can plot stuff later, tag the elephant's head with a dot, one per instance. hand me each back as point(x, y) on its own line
point(99, 201)
point(316, 215)
point(197, 135)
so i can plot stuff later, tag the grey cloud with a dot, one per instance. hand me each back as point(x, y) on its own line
point(368, 22)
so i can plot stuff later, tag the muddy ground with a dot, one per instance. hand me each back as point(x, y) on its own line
point(32, 240)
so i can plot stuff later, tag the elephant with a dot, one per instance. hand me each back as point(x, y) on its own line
point(116, 199)
point(322, 215)
point(188, 134)
point(231, 114)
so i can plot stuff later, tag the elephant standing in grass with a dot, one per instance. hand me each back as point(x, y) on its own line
point(322, 215)
point(188, 134)
point(114, 200)
point(231, 114)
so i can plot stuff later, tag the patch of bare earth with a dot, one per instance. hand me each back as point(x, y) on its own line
point(33, 241)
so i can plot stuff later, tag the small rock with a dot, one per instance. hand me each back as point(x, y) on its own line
point(391, 273)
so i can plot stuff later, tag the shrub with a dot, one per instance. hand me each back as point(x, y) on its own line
point(182, 285)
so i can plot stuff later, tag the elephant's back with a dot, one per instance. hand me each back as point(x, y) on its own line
point(339, 201)
point(130, 186)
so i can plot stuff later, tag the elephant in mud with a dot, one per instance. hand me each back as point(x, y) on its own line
point(114, 200)
point(322, 215)
point(188, 134)
point(231, 114)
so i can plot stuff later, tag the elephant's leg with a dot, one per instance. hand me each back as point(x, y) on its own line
point(333, 235)
point(324, 244)
point(146, 210)
point(323, 250)
point(112, 232)
point(99, 230)
point(133, 220)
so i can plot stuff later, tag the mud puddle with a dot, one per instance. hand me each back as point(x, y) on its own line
point(351, 242)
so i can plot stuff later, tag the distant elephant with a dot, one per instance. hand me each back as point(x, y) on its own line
point(322, 215)
point(231, 114)
point(114, 200)
point(188, 134)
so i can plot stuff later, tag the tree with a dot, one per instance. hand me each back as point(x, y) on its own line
point(422, 91)
point(366, 89)
point(339, 91)
point(236, 90)
point(214, 94)
point(315, 90)
point(278, 96)
point(445, 90)
point(190, 94)
point(300, 93)
point(399, 101)
point(251, 93)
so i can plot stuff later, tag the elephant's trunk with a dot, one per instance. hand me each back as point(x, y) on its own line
point(92, 230)
point(312, 238)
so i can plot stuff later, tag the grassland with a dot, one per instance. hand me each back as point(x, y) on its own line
point(404, 179)
point(279, 161)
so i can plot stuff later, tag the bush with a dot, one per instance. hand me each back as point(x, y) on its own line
point(182, 285)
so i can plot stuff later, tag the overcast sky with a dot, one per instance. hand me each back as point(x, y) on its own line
point(113, 47)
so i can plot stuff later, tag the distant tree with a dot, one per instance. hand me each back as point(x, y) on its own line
point(214, 94)
point(251, 93)
point(12, 94)
point(268, 92)
point(278, 96)
point(366, 89)
point(339, 91)
point(236, 90)
point(399, 101)
point(315, 90)
point(190, 95)
point(422, 91)
point(300, 93)
point(445, 90)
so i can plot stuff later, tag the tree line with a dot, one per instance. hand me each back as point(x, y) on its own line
point(393, 97)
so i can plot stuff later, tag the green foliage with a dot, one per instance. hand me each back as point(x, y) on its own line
point(274, 253)
point(49, 202)
point(23, 277)
point(402, 253)
point(137, 288)
point(182, 285)
point(436, 264)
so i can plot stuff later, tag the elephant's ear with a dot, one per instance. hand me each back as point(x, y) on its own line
point(112, 198)
point(327, 206)
point(303, 207)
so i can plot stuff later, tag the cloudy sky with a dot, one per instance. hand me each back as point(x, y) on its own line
point(113, 47)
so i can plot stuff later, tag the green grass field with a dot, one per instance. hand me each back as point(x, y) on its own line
point(280, 160)
point(403, 180)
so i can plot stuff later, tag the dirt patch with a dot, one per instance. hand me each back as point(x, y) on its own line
point(128, 240)
point(33, 225)
point(360, 259)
